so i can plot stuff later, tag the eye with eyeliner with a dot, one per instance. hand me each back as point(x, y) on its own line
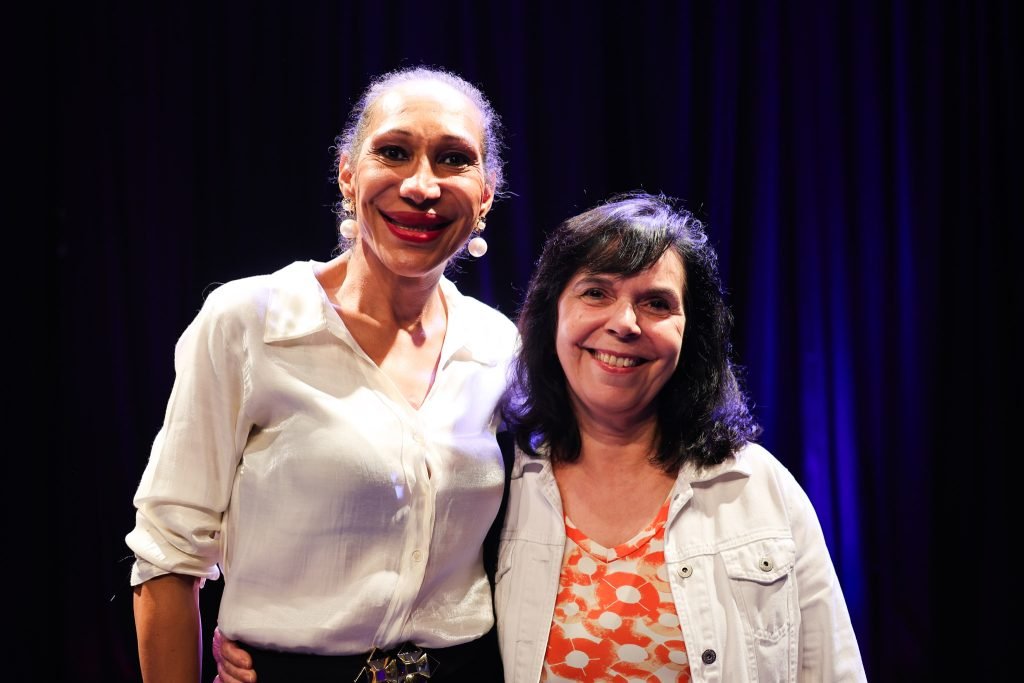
point(391, 153)
point(396, 154)
point(457, 158)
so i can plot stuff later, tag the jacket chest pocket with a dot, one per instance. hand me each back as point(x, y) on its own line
point(760, 577)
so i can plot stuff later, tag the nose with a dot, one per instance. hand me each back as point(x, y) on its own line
point(421, 185)
point(622, 320)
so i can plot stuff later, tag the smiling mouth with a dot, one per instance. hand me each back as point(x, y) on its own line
point(416, 221)
point(616, 361)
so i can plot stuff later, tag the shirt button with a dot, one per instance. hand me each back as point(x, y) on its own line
point(685, 571)
point(766, 564)
point(708, 656)
point(418, 438)
point(417, 555)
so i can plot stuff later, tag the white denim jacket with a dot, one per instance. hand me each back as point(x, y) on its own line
point(753, 583)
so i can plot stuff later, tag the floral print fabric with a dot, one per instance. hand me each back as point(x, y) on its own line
point(614, 617)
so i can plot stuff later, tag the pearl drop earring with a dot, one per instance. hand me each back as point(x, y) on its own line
point(478, 245)
point(348, 228)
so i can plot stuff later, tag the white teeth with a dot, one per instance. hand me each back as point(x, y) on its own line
point(615, 361)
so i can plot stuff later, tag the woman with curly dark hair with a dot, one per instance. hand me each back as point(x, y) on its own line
point(647, 536)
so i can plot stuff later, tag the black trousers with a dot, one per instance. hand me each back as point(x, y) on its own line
point(477, 661)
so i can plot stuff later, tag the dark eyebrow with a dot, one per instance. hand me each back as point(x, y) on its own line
point(608, 280)
point(664, 293)
point(446, 139)
point(596, 279)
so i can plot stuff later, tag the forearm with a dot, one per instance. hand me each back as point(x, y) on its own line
point(168, 629)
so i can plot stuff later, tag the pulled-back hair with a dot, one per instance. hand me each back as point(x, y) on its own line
point(702, 414)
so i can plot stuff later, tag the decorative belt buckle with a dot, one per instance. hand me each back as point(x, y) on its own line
point(379, 669)
point(414, 665)
point(407, 666)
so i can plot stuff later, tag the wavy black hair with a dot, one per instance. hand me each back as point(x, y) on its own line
point(702, 413)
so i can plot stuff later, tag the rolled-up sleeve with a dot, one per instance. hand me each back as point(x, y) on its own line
point(187, 482)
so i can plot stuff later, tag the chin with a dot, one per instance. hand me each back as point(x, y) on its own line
point(415, 267)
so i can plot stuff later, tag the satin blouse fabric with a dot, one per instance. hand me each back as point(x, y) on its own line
point(342, 517)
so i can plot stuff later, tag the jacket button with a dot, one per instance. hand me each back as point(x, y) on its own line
point(766, 564)
point(685, 570)
point(708, 656)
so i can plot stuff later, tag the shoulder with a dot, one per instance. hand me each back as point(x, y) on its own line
point(770, 476)
point(235, 296)
point(754, 468)
point(484, 323)
point(759, 461)
point(246, 302)
point(525, 464)
point(482, 313)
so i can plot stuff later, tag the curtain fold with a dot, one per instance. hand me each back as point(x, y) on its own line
point(857, 164)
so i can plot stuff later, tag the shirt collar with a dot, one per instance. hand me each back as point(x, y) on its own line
point(298, 306)
point(469, 337)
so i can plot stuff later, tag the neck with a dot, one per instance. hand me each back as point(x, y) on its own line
point(605, 443)
point(405, 303)
point(612, 466)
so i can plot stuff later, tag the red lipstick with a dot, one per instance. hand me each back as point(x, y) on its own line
point(415, 226)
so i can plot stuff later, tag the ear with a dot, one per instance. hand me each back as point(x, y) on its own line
point(488, 196)
point(345, 176)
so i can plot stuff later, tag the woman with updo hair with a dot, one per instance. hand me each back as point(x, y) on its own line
point(330, 440)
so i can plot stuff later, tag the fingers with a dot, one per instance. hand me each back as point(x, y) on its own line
point(232, 654)
point(234, 665)
point(229, 673)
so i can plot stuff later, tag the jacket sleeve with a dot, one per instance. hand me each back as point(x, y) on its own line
point(828, 644)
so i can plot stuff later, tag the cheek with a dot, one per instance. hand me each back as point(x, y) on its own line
point(467, 195)
point(563, 342)
point(678, 335)
point(472, 184)
point(679, 346)
point(566, 335)
point(670, 344)
point(369, 181)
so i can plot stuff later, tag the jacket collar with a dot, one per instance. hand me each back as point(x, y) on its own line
point(737, 463)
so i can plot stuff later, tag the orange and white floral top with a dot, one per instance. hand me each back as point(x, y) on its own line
point(615, 619)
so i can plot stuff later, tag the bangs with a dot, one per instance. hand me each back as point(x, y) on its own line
point(625, 249)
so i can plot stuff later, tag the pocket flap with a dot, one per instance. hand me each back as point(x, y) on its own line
point(764, 561)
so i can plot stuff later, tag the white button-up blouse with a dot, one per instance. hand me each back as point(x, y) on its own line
point(342, 518)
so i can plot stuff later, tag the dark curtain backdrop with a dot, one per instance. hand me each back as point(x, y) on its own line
point(857, 164)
